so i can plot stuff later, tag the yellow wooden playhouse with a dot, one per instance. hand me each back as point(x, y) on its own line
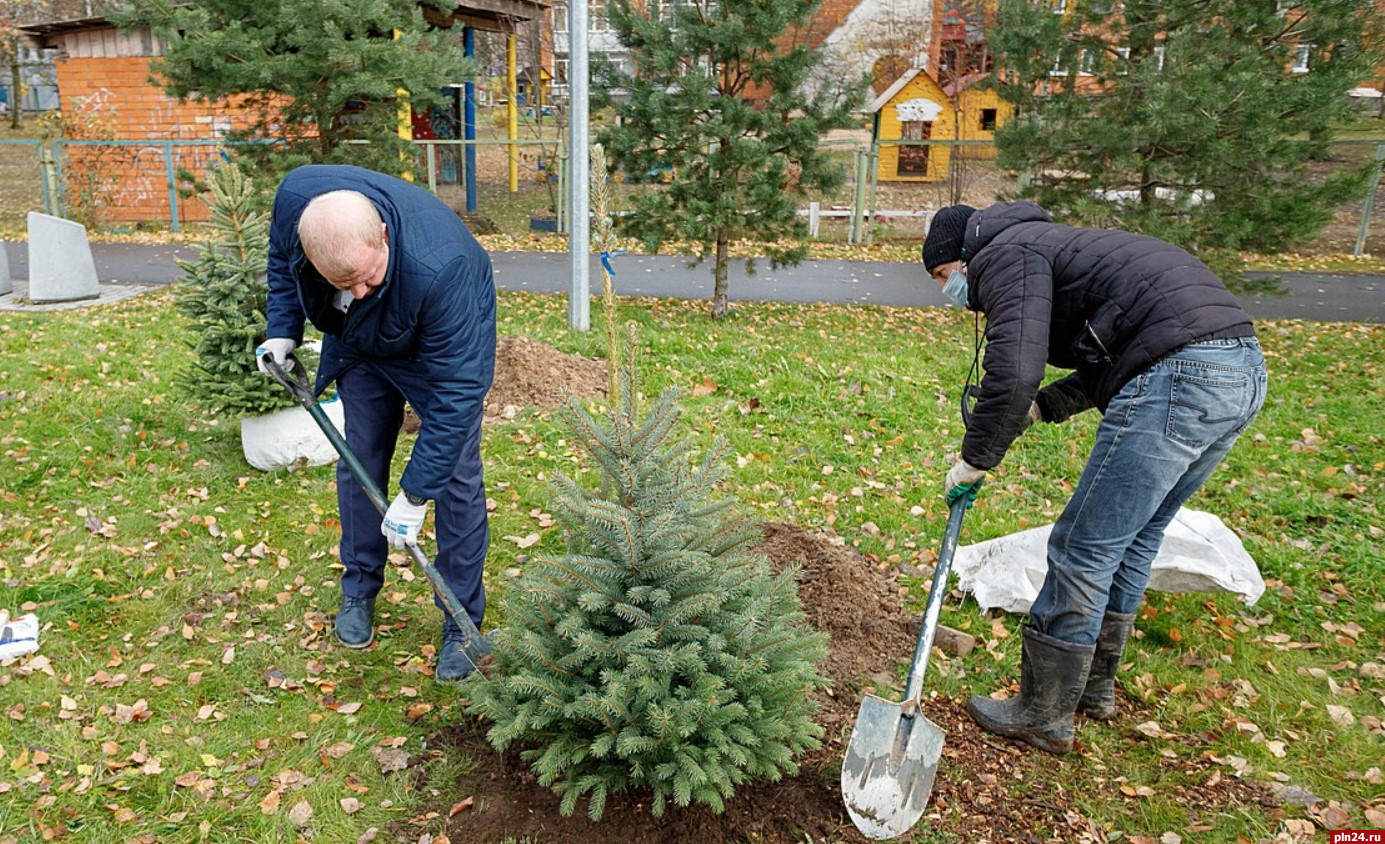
point(917, 108)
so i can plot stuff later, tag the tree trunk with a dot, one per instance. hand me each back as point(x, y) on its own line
point(15, 81)
point(719, 305)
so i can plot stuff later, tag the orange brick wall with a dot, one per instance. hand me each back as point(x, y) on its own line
point(830, 15)
point(112, 98)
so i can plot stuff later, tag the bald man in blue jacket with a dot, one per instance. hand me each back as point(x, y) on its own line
point(405, 299)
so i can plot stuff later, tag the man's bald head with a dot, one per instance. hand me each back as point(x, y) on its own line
point(336, 227)
point(343, 236)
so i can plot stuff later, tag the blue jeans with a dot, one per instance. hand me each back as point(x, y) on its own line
point(374, 413)
point(1160, 439)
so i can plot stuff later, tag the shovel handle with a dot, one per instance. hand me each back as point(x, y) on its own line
point(914, 688)
point(295, 380)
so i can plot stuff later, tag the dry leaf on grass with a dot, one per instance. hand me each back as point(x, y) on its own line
point(391, 760)
point(301, 813)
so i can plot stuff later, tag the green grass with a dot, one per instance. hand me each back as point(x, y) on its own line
point(167, 571)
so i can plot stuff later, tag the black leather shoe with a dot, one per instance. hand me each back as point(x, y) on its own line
point(356, 622)
point(454, 663)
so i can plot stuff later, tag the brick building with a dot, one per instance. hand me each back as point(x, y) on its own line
point(145, 136)
point(106, 96)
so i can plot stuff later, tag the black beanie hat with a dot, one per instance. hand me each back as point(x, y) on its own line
point(944, 241)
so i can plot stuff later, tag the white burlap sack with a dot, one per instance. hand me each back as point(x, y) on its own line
point(1199, 554)
point(290, 438)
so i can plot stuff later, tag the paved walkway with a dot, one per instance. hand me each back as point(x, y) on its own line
point(1325, 297)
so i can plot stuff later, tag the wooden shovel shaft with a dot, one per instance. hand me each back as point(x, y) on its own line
point(914, 688)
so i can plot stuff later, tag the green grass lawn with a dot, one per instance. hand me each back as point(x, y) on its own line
point(188, 689)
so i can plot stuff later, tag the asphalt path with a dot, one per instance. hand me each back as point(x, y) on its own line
point(1321, 297)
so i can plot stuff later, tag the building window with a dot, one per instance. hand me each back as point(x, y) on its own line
point(987, 120)
point(560, 17)
point(913, 160)
point(1060, 6)
point(1301, 58)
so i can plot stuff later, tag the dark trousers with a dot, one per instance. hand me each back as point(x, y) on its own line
point(374, 413)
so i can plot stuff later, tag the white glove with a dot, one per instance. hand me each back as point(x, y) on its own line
point(963, 479)
point(403, 521)
point(278, 348)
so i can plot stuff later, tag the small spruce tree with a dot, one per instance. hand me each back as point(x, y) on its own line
point(656, 653)
point(223, 293)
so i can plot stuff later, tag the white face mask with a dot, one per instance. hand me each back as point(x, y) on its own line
point(956, 287)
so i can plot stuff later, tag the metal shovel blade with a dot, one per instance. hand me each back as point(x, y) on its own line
point(888, 771)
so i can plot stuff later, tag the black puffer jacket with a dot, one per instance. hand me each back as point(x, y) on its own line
point(1105, 303)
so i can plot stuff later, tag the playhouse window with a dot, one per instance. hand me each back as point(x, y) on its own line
point(913, 159)
point(988, 120)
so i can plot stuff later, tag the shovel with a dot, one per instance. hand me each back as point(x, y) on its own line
point(295, 380)
point(887, 775)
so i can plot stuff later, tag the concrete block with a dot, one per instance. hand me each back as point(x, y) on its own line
point(61, 268)
point(6, 283)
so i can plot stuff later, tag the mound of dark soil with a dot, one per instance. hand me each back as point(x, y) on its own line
point(529, 373)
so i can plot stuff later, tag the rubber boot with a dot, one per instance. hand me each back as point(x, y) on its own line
point(1099, 698)
point(1053, 674)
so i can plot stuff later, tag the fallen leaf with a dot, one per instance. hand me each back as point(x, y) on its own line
point(1340, 714)
point(301, 813)
point(460, 806)
point(1151, 729)
point(137, 713)
point(524, 541)
point(391, 760)
point(350, 805)
point(348, 708)
point(270, 804)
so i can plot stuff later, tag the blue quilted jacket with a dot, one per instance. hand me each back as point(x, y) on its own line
point(429, 328)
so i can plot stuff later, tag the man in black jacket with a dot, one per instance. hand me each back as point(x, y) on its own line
point(1164, 352)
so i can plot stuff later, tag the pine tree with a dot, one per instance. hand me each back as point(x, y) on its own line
point(656, 653)
point(1171, 101)
point(312, 74)
point(223, 293)
point(718, 100)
